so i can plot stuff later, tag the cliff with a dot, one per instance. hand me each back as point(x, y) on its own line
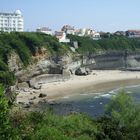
point(61, 68)
point(37, 58)
point(117, 60)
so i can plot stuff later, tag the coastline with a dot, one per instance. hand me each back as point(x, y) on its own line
point(98, 81)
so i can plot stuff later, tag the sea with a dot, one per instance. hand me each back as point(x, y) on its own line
point(92, 104)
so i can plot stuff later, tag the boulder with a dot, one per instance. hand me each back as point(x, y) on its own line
point(37, 86)
point(27, 105)
point(88, 71)
point(24, 105)
point(33, 98)
point(21, 103)
point(23, 86)
point(81, 71)
point(31, 102)
point(41, 95)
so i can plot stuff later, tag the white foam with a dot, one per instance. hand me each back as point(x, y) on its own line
point(114, 90)
point(106, 95)
point(84, 94)
point(96, 97)
point(129, 92)
point(97, 93)
point(66, 97)
point(133, 86)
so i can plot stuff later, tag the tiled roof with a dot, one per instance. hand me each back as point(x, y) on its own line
point(45, 29)
point(134, 31)
point(67, 27)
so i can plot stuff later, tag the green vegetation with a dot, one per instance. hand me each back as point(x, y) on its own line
point(120, 121)
point(107, 43)
point(25, 45)
point(5, 125)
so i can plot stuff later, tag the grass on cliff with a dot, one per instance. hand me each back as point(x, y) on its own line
point(25, 45)
point(109, 43)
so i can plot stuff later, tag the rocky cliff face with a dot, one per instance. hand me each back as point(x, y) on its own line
point(116, 60)
point(44, 70)
point(109, 60)
point(133, 61)
point(14, 62)
point(61, 67)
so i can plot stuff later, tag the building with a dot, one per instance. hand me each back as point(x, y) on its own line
point(120, 33)
point(45, 30)
point(133, 33)
point(96, 36)
point(78, 32)
point(11, 22)
point(68, 29)
point(61, 36)
point(88, 32)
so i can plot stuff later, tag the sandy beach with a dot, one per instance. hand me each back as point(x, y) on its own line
point(98, 81)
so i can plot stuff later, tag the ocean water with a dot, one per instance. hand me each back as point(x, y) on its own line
point(92, 104)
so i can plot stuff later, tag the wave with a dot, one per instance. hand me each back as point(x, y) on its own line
point(133, 86)
point(84, 94)
point(66, 97)
point(107, 95)
point(114, 91)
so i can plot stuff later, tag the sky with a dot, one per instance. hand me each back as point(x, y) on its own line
point(102, 15)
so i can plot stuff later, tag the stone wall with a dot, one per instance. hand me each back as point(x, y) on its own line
point(37, 81)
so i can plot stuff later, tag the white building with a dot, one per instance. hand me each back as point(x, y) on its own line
point(61, 36)
point(88, 32)
point(11, 22)
point(84, 32)
point(96, 36)
point(45, 30)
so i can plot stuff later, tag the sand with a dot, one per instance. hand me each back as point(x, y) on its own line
point(98, 81)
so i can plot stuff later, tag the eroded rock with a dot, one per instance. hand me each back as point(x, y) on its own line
point(23, 86)
point(81, 71)
point(41, 95)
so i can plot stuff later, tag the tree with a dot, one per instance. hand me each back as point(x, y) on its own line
point(122, 119)
point(5, 128)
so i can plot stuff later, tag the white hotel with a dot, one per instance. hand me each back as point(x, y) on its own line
point(11, 22)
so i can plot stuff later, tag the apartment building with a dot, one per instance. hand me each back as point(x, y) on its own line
point(10, 22)
point(44, 30)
